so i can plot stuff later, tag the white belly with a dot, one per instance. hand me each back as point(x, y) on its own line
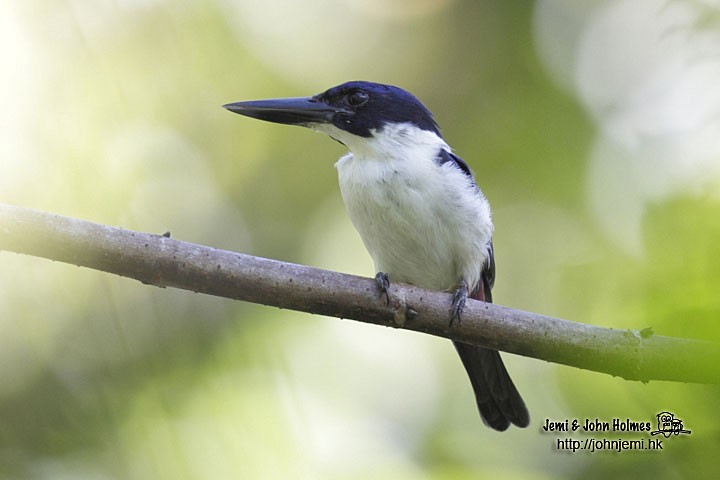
point(423, 223)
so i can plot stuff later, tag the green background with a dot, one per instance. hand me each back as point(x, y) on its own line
point(111, 112)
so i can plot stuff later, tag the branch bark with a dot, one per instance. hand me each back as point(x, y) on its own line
point(165, 262)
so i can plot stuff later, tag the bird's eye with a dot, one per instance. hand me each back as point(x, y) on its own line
point(356, 98)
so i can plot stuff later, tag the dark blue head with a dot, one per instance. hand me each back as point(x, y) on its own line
point(356, 107)
point(366, 106)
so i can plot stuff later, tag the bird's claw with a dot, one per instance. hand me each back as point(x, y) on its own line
point(458, 303)
point(383, 283)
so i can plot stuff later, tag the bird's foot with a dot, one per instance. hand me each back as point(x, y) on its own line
point(383, 283)
point(458, 303)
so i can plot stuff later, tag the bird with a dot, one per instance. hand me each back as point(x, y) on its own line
point(417, 208)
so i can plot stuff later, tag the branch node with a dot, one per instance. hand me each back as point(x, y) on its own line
point(647, 332)
point(401, 311)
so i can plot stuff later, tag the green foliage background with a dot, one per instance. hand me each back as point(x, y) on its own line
point(111, 112)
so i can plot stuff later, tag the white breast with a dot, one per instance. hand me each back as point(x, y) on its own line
point(423, 223)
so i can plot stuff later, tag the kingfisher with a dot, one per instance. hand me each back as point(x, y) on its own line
point(416, 206)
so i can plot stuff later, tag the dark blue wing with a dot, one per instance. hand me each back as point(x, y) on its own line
point(497, 398)
point(488, 273)
point(444, 157)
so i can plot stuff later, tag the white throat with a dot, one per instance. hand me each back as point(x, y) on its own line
point(399, 140)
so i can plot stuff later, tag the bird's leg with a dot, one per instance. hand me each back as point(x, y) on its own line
point(383, 283)
point(458, 303)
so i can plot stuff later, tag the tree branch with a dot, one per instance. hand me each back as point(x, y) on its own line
point(161, 261)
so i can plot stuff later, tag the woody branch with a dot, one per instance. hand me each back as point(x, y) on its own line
point(165, 262)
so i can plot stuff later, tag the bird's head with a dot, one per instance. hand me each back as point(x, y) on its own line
point(350, 113)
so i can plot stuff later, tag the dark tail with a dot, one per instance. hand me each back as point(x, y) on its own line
point(498, 400)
